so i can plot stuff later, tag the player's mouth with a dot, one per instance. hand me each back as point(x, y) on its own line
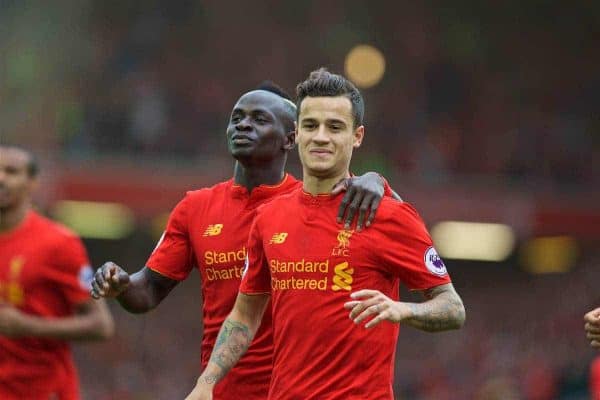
point(241, 139)
point(320, 152)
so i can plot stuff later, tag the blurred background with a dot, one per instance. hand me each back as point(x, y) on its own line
point(484, 115)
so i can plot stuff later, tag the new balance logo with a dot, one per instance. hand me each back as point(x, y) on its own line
point(213, 230)
point(278, 238)
point(342, 280)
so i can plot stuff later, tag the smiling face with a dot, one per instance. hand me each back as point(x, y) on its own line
point(326, 135)
point(259, 129)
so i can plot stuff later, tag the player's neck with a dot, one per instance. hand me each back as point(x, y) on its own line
point(12, 217)
point(315, 184)
point(255, 175)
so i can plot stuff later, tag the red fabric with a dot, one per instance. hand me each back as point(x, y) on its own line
point(387, 189)
point(43, 271)
point(595, 379)
point(208, 230)
point(299, 254)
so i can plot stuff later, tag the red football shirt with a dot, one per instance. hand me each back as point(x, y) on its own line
point(310, 266)
point(209, 230)
point(44, 271)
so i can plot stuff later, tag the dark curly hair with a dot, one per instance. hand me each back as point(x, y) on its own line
point(322, 83)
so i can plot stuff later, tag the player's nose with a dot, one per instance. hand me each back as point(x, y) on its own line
point(243, 125)
point(321, 136)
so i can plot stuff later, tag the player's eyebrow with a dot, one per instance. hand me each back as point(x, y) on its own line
point(254, 111)
point(261, 112)
point(334, 121)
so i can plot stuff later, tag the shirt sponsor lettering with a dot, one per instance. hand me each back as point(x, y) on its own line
point(299, 266)
point(317, 280)
point(214, 257)
point(218, 264)
point(214, 274)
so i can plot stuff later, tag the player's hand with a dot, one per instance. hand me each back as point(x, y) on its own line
point(592, 327)
point(377, 306)
point(13, 323)
point(110, 280)
point(363, 193)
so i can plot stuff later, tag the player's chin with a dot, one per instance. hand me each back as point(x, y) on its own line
point(319, 168)
point(242, 152)
point(320, 171)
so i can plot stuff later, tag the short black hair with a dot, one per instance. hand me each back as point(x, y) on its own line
point(33, 167)
point(272, 87)
point(322, 83)
point(288, 103)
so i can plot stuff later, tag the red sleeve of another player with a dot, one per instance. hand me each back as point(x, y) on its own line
point(72, 273)
point(256, 277)
point(172, 256)
point(387, 189)
point(595, 379)
point(407, 250)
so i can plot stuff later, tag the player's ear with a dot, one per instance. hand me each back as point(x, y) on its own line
point(359, 133)
point(290, 140)
point(296, 132)
point(33, 184)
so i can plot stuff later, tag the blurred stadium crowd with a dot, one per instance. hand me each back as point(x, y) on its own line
point(504, 95)
point(505, 90)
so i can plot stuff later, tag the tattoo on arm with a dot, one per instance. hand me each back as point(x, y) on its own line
point(211, 379)
point(443, 310)
point(232, 342)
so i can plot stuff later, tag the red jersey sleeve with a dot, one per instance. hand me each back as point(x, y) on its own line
point(407, 251)
point(72, 273)
point(594, 379)
point(256, 276)
point(172, 256)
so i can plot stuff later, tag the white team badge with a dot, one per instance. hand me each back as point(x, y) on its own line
point(86, 274)
point(434, 263)
point(245, 269)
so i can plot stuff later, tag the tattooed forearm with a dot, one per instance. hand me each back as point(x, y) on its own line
point(210, 379)
point(232, 342)
point(442, 311)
